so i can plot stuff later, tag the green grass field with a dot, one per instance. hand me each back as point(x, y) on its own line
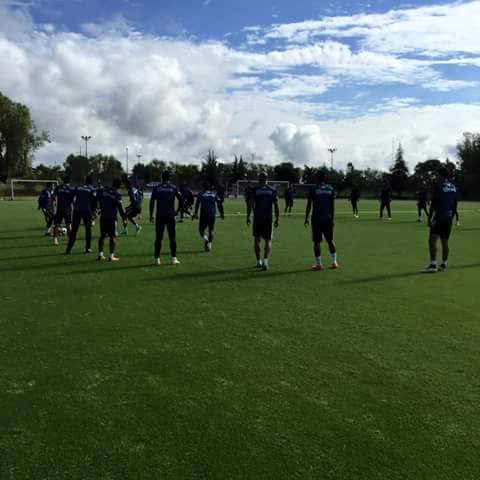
point(212, 370)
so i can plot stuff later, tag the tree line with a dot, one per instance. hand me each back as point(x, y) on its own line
point(19, 140)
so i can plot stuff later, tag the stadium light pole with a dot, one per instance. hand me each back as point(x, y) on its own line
point(86, 139)
point(332, 151)
point(126, 149)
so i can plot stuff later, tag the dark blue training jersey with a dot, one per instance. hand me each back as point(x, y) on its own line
point(386, 194)
point(322, 197)
point(208, 203)
point(355, 193)
point(85, 199)
point(444, 201)
point(263, 198)
point(135, 198)
point(110, 202)
point(165, 194)
point(64, 194)
point(289, 194)
point(45, 199)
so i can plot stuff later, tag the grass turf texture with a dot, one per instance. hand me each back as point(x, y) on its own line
point(211, 370)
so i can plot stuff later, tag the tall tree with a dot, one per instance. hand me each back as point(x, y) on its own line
point(287, 172)
point(210, 168)
point(44, 172)
point(19, 138)
point(77, 167)
point(468, 150)
point(399, 174)
point(425, 171)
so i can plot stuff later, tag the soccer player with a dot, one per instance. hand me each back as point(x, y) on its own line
point(386, 199)
point(442, 211)
point(110, 202)
point(354, 199)
point(45, 204)
point(83, 210)
point(289, 199)
point(422, 201)
point(261, 200)
point(322, 199)
point(187, 202)
point(135, 207)
point(221, 193)
point(64, 194)
point(207, 201)
point(164, 196)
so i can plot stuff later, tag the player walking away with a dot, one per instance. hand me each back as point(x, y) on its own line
point(422, 202)
point(386, 200)
point(186, 203)
point(207, 201)
point(261, 200)
point(289, 199)
point(64, 194)
point(322, 199)
point(442, 211)
point(221, 193)
point(354, 199)
point(45, 204)
point(83, 211)
point(110, 202)
point(164, 196)
point(135, 208)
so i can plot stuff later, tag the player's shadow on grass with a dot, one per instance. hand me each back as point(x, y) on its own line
point(394, 276)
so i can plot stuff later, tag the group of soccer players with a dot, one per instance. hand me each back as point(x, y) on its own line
point(262, 202)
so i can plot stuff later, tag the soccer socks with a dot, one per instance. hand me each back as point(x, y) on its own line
point(334, 258)
point(265, 262)
point(318, 261)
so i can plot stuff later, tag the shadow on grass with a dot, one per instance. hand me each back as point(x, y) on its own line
point(394, 276)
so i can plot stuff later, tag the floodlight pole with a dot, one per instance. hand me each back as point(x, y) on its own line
point(126, 150)
point(332, 151)
point(86, 139)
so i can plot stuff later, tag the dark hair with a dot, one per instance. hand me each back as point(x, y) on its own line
point(165, 176)
point(88, 180)
point(320, 175)
point(443, 172)
point(116, 183)
point(206, 185)
point(66, 179)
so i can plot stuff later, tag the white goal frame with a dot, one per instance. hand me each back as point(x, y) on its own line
point(255, 182)
point(13, 181)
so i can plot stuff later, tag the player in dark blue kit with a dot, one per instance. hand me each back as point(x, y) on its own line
point(207, 203)
point(442, 211)
point(187, 202)
point(261, 199)
point(45, 204)
point(386, 200)
point(354, 199)
point(110, 204)
point(83, 210)
point(322, 200)
point(64, 194)
point(289, 199)
point(135, 207)
point(164, 196)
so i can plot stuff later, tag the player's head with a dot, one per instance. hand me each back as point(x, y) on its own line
point(206, 186)
point(442, 173)
point(66, 179)
point(116, 183)
point(165, 176)
point(320, 175)
point(88, 180)
point(263, 177)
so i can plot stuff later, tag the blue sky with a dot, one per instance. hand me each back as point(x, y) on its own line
point(281, 80)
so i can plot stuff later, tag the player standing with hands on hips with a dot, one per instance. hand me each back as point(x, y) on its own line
point(261, 200)
point(322, 199)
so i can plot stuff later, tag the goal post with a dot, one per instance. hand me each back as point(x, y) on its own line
point(241, 186)
point(29, 184)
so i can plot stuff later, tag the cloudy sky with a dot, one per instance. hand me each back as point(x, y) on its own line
point(280, 80)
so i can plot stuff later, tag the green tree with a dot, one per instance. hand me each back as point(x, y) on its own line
point(399, 174)
point(77, 167)
point(44, 172)
point(287, 172)
point(468, 150)
point(210, 168)
point(425, 171)
point(19, 139)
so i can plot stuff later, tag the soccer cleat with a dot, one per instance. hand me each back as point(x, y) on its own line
point(55, 241)
point(157, 262)
point(68, 252)
point(259, 265)
point(88, 250)
point(317, 268)
point(125, 232)
point(265, 267)
point(101, 258)
point(443, 267)
point(430, 269)
point(205, 246)
point(113, 258)
point(389, 219)
point(458, 224)
point(138, 229)
point(334, 266)
point(175, 261)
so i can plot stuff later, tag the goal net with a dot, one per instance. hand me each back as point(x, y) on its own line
point(242, 185)
point(27, 188)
